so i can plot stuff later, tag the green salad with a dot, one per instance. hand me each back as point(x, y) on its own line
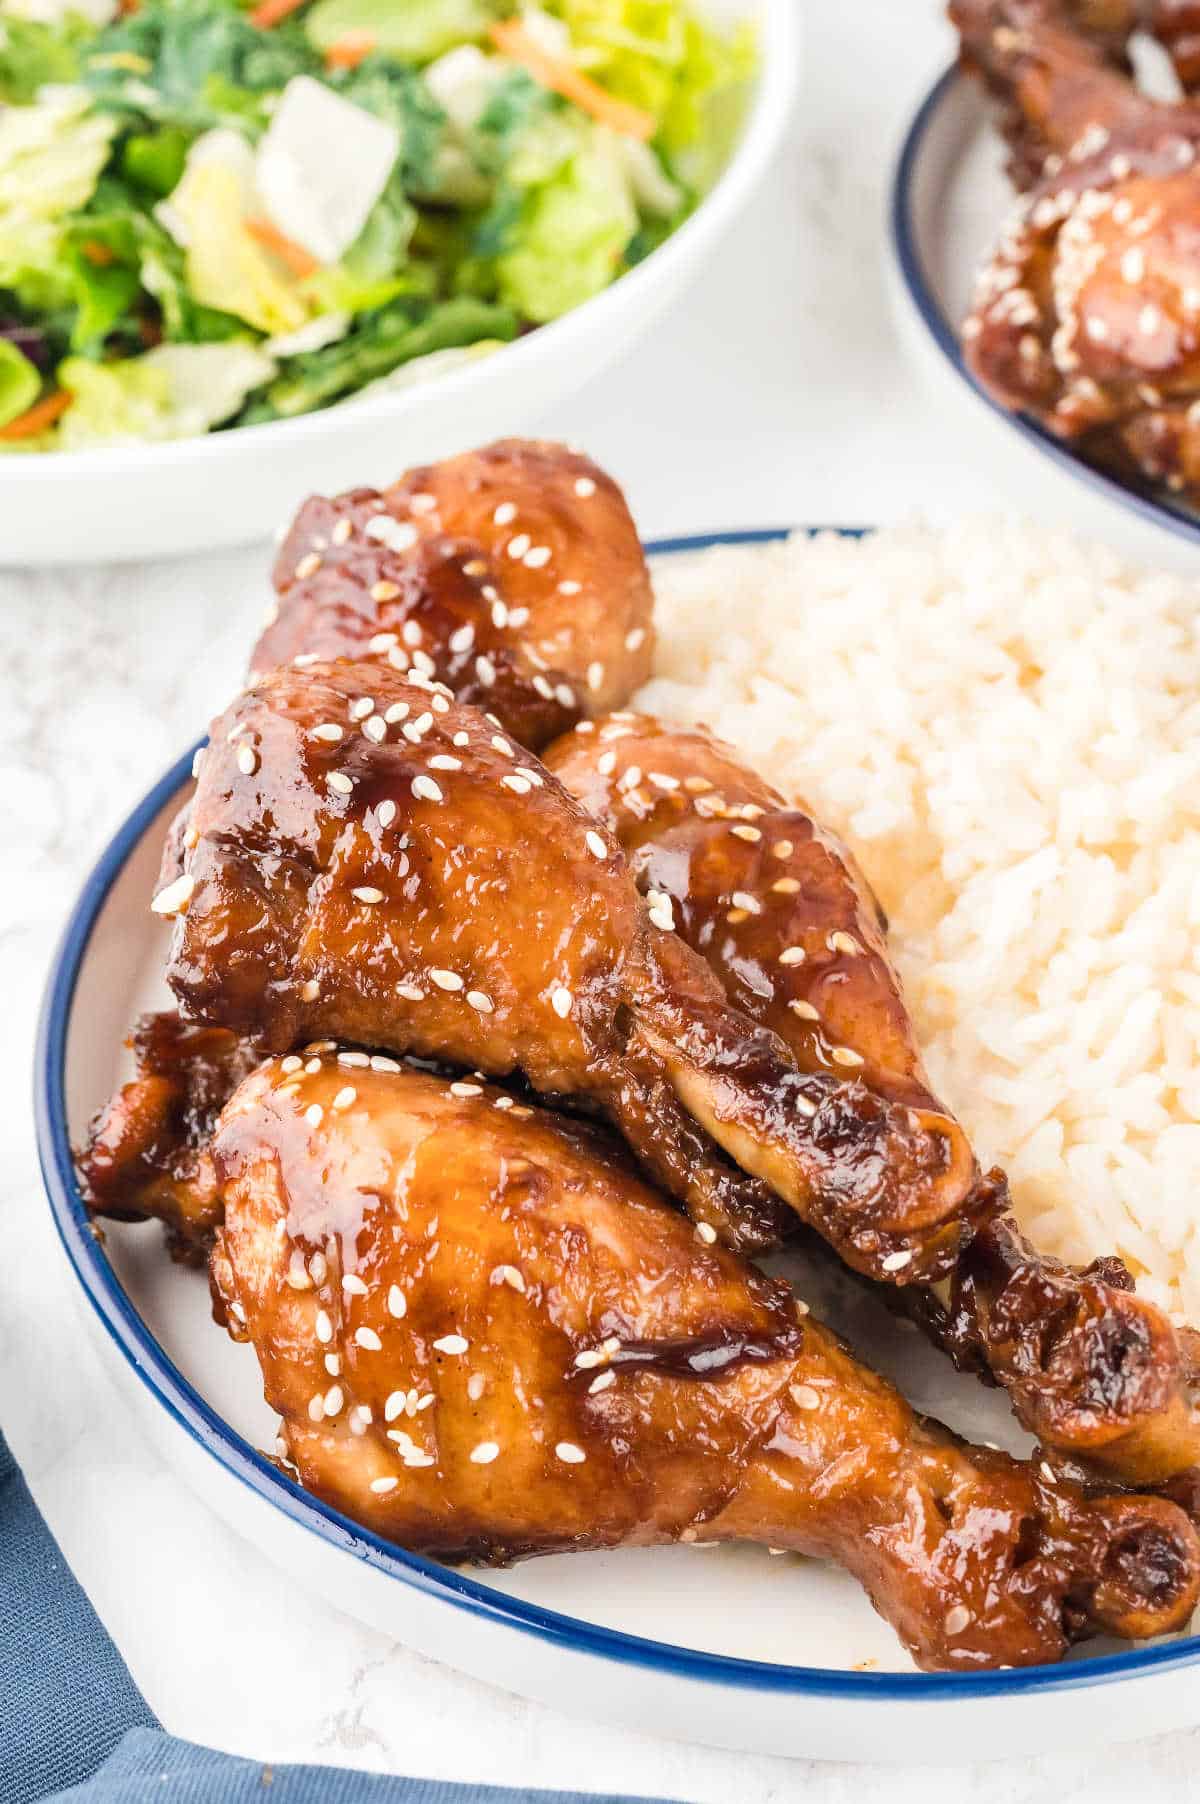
point(215, 214)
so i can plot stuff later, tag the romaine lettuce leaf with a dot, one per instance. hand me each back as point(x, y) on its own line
point(412, 31)
point(226, 267)
point(20, 382)
point(51, 155)
point(173, 391)
point(380, 343)
point(570, 237)
point(34, 54)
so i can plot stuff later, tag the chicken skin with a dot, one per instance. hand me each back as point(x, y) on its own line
point(366, 859)
point(487, 1338)
point(1088, 315)
point(1097, 1373)
point(513, 574)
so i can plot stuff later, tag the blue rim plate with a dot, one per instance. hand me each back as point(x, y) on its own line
point(154, 1370)
point(1152, 505)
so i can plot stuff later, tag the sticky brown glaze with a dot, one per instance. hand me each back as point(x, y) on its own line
point(366, 859)
point(1094, 1371)
point(487, 1338)
point(1088, 314)
point(147, 1148)
point(513, 574)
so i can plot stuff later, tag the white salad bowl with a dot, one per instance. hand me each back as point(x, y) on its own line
point(722, 1645)
point(226, 488)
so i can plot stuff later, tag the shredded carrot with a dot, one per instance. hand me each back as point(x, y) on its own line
point(350, 51)
point(36, 418)
point(298, 260)
point(127, 8)
point(97, 253)
point(564, 78)
point(270, 12)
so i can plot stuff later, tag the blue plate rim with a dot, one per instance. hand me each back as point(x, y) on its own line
point(172, 1391)
point(1155, 508)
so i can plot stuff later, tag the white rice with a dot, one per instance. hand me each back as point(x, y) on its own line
point(1005, 725)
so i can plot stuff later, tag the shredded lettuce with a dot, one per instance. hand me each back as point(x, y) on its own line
point(35, 54)
point(170, 392)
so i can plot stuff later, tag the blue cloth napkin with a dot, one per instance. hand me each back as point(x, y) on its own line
point(75, 1729)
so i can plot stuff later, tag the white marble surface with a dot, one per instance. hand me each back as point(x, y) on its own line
point(778, 392)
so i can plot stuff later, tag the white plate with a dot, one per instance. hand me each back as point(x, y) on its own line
point(950, 198)
point(727, 1646)
point(225, 488)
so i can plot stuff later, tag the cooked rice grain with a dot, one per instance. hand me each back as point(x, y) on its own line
point(1005, 725)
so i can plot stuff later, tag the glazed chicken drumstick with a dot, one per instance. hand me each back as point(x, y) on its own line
point(367, 859)
point(1094, 1371)
point(1088, 314)
point(487, 1338)
point(513, 574)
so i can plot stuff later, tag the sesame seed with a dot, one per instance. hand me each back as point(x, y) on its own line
point(842, 942)
point(585, 488)
point(520, 786)
point(398, 657)
point(367, 893)
point(544, 687)
point(484, 1453)
point(846, 1055)
point(601, 1382)
point(297, 1272)
point(362, 707)
point(375, 729)
point(368, 1340)
point(635, 638)
point(742, 898)
point(411, 992)
point(446, 980)
point(460, 1089)
point(333, 1364)
point(314, 1114)
point(422, 503)
point(475, 1384)
point(485, 670)
point(356, 1060)
point(397, 1302)
point(291, 1063)
point(805, 1010)
point(174, 899)
point(518, 545)
point(804, 1396)
point(958, 1617)
point(896, 1262)
point(316, 1408)
point(508, 1274)
point(360, 1418)
point(451, 1343)
point(394, 1406)
point(345, 1097)
point(569, 587)
point(323, 1327)
point(564, 695)
point(706, 1232)
point(537, 557)
point(505, 514)
point(381, 1064)
point(661, 910)
point(461, 738)
point(341, 531)
point(339, 782)
point(381, 642)
point(478, 999)
point(385, 814)
point(397, 712)
point(750, 834)
point(503, 1102)
point(381, 1486)
point(329, 731)
point(318, 1269)
point(334, 1398)
point(783, 848)
point(606, 763)
point(569, 1453)
point(384, 590)
point(425, 789)
point(463, 638)
point(312, 1066)
point(595, 676)
point(443, 761)
point(785, 886)
point(596, 845)
point(309, 564)
point(353, 1285)
point(561, 1001)
point(502, 746)
point(397, 535)
point(792, 955)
